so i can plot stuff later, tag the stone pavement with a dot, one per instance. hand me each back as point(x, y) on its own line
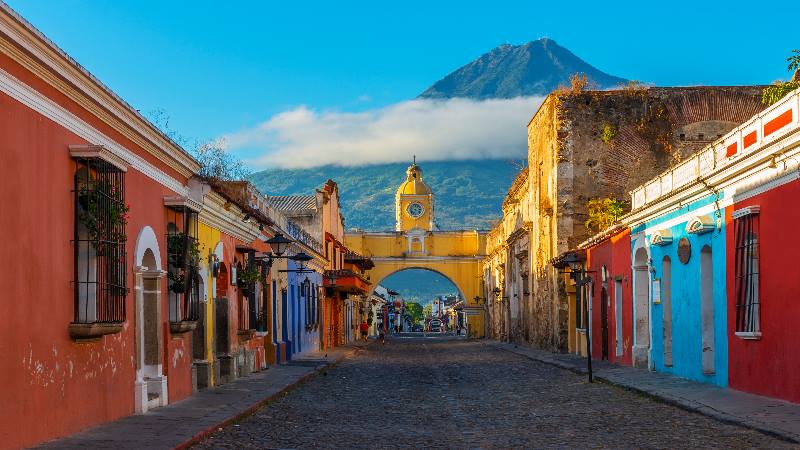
point(183, 422)
point(457, 393)
point(771, 416)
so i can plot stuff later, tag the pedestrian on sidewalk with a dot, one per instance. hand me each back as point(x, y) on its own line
point(364, 330)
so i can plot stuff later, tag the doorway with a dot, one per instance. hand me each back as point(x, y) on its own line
point(151, 384)
point(618, 314)
point(666, 305)
point(641, 289)
point(604, 320)
point(707, 310)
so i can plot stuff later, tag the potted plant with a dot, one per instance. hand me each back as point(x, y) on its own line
point(246, 278)
point(108, 229)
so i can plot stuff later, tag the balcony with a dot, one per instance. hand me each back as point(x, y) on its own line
point(345, 280)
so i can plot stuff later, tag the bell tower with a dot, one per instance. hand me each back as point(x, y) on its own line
point(414, 202)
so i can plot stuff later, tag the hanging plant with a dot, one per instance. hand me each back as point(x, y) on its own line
point(176, 243)
point(246, 278)
point(177, 281)
point(106, 227)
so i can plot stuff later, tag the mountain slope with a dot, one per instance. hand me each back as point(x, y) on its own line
point(468, 194)
point(508, 71)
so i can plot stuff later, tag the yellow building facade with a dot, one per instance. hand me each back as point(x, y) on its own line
point(415, 244)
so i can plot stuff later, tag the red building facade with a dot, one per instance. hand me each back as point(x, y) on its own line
point(608, 258)
point(764, 354)
point(83, 207)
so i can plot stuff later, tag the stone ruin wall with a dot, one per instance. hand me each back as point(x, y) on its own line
point(569, 164)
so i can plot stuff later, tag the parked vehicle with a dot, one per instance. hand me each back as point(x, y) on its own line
point(435, 326)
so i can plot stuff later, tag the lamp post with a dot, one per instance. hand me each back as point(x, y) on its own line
point(575, 264)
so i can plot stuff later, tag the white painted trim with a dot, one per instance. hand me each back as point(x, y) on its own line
point(147, 239)
point(33, 50)
point(746, 211)
point(700, 224)
point(38, 102)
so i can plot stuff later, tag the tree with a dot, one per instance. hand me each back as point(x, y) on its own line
point(415, 312)
point(427, 311)
point(780, 89)
point(215, 160)
point(603, 212)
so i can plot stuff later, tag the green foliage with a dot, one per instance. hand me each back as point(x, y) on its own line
point(609, 133)
point(245, 277)
point(414, 311)
point(780, 89)
point(777, 91)
point(794, 60)
point(603, 212)
point(427, 311)
point(107, 228)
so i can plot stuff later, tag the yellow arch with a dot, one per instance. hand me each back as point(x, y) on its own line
point(456, 255)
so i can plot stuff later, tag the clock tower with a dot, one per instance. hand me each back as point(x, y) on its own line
point(414, 202)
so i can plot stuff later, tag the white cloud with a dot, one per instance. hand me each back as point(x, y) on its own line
point(434, 130)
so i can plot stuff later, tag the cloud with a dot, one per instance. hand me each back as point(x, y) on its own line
point(434, 130)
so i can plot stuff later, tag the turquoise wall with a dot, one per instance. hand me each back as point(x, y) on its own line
point(686, 298)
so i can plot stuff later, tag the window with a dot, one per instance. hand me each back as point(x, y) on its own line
point(746, 230)
point(99, 251)
point(183, 262)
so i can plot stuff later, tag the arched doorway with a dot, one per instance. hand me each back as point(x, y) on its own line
point(426, 295)
point(707, 310)
point(151, 383)
point(641, 308)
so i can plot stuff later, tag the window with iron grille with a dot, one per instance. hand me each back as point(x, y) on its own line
point(183, 264)
point(99, 242)
point(247, 276)
point(748, 305)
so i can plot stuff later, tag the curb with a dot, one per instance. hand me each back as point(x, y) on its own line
point(683, 404)
point(249, 411)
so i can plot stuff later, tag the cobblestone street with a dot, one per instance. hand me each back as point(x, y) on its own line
point(434, 392)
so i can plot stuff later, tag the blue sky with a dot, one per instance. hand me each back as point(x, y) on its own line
point(217, 68)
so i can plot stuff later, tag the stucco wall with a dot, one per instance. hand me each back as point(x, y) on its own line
point(769, 366)
point(687, 345)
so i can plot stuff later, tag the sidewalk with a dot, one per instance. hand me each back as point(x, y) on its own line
point(771, 416)
point(186, 421)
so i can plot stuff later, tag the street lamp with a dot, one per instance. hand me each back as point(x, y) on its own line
point(279, 244)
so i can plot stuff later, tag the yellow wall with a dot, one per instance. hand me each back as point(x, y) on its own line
point(406, 222)
point(208, 238)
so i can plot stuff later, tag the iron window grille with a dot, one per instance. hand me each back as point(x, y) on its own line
point(183, 264)
point(100, 261)
point(748, 305)
point(246, 284)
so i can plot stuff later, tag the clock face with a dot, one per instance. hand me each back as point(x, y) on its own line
point(415, 210)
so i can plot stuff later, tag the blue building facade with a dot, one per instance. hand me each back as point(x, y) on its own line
point(301, 306)
point(688, 301)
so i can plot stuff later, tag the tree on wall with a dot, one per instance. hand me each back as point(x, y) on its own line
point(780, 89)
point(603, 212)
point(215, 161)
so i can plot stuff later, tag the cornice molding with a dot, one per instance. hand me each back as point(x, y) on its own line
point(33, 99)
point(35, 52)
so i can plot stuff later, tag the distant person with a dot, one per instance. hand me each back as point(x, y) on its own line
point(364, 330)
